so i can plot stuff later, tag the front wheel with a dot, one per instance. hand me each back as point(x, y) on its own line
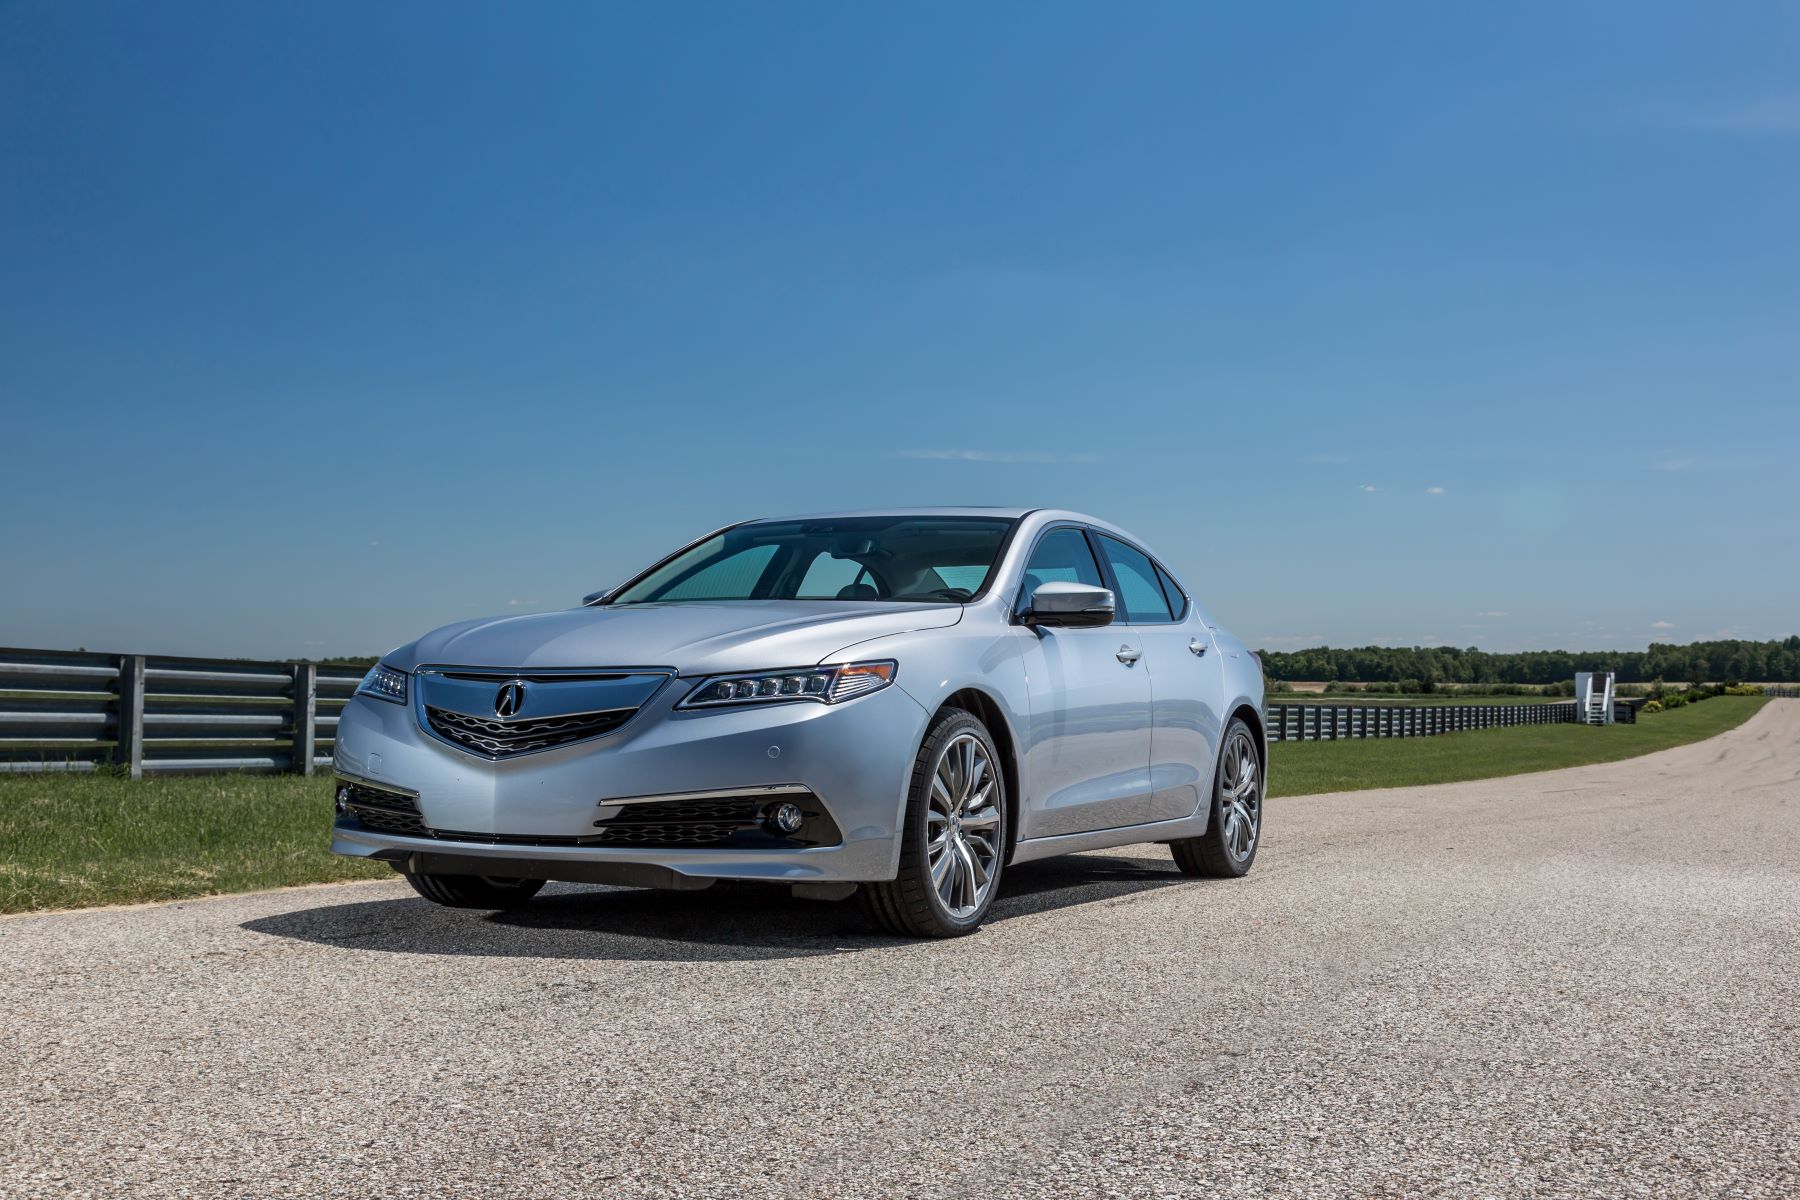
point(1228, 847)
point(952, 839)
point(474, 891)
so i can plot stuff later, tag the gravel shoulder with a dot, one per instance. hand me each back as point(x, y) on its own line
point(1579, 983)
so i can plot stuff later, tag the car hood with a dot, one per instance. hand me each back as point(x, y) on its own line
point(694, 637)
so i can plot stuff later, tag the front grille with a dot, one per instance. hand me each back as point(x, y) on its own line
point(498, 739)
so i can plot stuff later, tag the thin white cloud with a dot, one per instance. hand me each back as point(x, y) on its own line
point(1368, 487)
point(1491, 614)
point(1662, 624)
point(1673, 463)
point(517, 603)
point(1434, 491)
point(994, 456)
point(1778, 113)
point(1293, 639)
point(1328, 460)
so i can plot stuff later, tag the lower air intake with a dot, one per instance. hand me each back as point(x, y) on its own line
point(381, 810)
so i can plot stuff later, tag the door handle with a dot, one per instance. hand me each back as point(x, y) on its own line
point(1128, 656)
point(1198, 647)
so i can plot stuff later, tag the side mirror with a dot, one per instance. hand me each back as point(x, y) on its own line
point(1069, 606)
point(596, 597)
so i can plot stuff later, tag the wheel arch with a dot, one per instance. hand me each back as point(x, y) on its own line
point(1252, 716)
point(988, 709)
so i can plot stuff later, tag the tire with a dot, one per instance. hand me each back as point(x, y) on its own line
point(954, 826)
point(1234, 831)
point(475, 891)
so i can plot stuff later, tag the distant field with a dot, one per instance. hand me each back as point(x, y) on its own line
point(71, 841)
point(1304, 768)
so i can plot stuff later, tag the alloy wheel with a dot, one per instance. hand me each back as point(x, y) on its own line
point(962, 826)
point(1240, 800)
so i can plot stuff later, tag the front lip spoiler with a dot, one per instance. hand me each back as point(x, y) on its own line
point(579, 864)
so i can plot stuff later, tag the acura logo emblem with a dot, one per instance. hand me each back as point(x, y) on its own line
point(509, 699)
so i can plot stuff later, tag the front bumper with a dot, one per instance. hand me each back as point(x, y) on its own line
point(855, 757)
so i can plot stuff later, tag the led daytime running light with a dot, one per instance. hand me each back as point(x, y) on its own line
point(384, 683)
point(828, 685)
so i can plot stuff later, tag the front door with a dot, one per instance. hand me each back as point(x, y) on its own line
point(1090, 709)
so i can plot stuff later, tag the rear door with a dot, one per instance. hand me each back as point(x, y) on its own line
point(1187, 681)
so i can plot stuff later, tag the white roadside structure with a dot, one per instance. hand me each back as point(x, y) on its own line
point(1594, 697)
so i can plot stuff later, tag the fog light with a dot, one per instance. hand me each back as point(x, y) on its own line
point(784, 818)
point(343, 798)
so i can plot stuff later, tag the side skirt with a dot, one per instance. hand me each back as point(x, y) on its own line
point(1101, 839)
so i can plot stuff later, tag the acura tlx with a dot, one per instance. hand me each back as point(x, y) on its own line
point(896, 705)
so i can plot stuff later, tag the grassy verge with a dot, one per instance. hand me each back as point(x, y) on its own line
point(69, 841)
point(1305, 768)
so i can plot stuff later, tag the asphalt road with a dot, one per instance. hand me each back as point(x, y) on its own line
point(1584, 983)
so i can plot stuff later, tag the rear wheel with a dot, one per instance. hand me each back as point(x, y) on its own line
point(1228, 846)
point(952, 839)
point(474, 891)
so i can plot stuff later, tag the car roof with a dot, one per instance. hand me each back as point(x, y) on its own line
point(1002, 512)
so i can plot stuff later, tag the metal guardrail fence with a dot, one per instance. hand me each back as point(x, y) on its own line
point(62, 711)
point(1333, 722)
point(1788, 693)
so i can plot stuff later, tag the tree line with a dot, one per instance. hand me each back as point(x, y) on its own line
point(1732, 661)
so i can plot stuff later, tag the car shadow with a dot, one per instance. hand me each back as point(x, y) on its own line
point(727, 922)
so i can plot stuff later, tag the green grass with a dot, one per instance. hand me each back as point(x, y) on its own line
point(70, 841)
point(1306, 768)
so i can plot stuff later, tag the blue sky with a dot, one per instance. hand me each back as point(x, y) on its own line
point(326, 324)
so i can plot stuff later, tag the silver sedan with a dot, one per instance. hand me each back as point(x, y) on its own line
point(895, 704)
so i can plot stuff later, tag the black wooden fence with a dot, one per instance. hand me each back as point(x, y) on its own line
point(1334, 722)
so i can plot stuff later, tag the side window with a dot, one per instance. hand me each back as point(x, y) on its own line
point(730, 578)
point(1172, 590)
point(1141, 596)
point(1062, 556)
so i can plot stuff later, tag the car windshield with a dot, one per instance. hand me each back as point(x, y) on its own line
point(914, 559)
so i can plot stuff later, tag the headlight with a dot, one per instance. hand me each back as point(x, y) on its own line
point(828, 685)
point(384, 683)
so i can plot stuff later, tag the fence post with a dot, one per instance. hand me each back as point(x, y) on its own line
point(306, 690)
point(128, 752)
